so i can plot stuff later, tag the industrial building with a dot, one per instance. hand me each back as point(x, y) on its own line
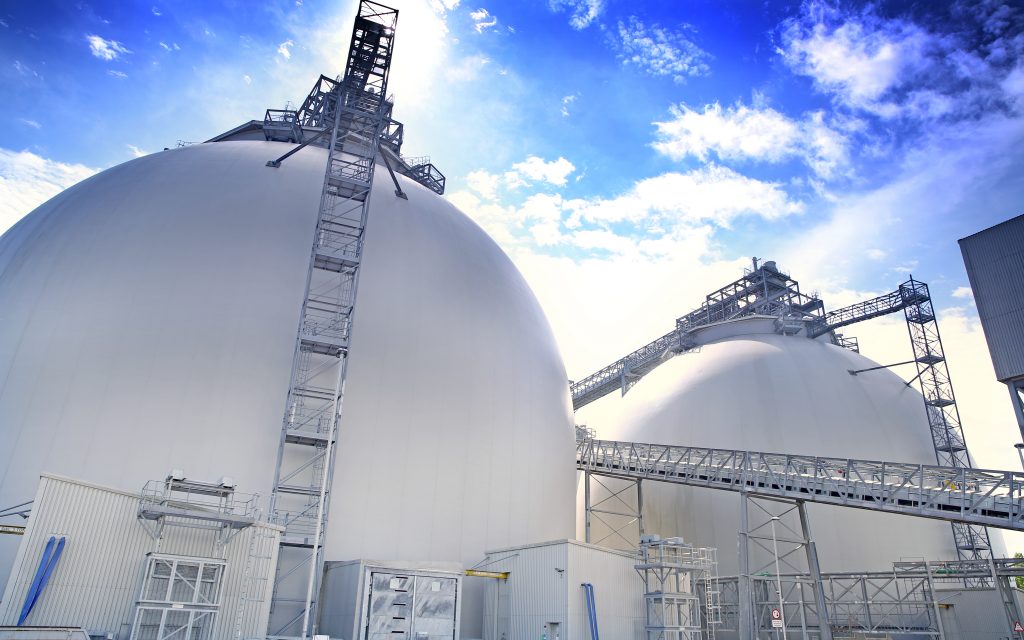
point(275, 386)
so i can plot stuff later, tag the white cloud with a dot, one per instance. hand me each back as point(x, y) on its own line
point(137, 152)
point(467, 68)
point(247, 79)
point(897, 68)
point(859, 61)
point(105, 49)
point(120, 75)
point(156, 12)
point(284, 49)
point(660, 52)
point(963, 292)
point(485, 184)
point(553, 172)
point(566, 103)
point(31, 123)
point(582, 13)
point(757, 133)
point(28, 180)
point(952, 168)
point(482, 20)
point(440, 6)
point(24, 69)
point(170, 47)
point(711, 193)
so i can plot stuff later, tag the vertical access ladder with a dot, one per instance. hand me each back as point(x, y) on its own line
point(972, 541)
point(351, 117)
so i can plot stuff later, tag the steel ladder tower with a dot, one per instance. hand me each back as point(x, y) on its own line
point(352, 117)
point(972, 541)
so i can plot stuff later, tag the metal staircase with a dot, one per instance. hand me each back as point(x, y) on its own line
point(914, 299)
point(976, 497)
point(350, 118)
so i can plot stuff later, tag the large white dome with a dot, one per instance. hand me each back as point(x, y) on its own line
point(148, 318)
point(751, 388)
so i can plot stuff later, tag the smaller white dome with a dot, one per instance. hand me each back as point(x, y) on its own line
point(752, 389)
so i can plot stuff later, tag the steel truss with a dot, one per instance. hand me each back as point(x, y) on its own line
point(763, 290)
point(966, 495)
point(775, 535)
point(352, 114)
point(902, 601)
point(618, 511)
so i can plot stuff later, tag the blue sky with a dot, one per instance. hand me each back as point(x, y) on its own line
point(629, 156)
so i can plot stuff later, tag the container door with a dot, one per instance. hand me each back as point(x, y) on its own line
point(434, 607)
point(390, 609)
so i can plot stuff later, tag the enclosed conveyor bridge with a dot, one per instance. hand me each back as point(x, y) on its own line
point(956, 494)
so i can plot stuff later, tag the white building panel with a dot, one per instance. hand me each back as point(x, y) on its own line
point(544, 594)
point(97, 579)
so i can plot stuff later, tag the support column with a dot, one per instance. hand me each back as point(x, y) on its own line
point(824, 622)
point(640, 506)
point(745, 613)
point(586, 505)
point(935, 600)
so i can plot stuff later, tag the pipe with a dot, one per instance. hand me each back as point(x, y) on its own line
point(588, 592)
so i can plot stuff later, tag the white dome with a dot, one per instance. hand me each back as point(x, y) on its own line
point(750, 388)
point(147, 322)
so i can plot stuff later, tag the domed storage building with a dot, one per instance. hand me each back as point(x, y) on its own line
point(148, 323)
point(751, 388)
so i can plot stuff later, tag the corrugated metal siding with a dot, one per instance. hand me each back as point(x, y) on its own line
point(995, 266)
point(98, 577)
point(535, 593)
point(618, 593)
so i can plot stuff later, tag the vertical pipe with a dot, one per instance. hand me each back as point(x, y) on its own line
point(824, 622)
point(586, 506)
point(746, 618)
point(778, 580)
point(640, 506)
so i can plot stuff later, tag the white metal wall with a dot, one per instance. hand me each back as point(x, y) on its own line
point(97, 578)
point(545, 585)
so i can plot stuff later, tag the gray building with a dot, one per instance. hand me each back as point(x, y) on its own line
point(995, 265)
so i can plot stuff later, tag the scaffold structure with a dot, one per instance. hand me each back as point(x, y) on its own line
point(680, 589)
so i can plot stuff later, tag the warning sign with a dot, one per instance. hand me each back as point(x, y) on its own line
point(1017, 628)
point(776, 619)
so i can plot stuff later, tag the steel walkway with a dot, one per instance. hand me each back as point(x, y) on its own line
point(960, 495)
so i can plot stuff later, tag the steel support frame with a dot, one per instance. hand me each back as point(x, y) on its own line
point(614, 510)
point(762, 290)
point(354, 110)
point(778, 532)
point(972, 541)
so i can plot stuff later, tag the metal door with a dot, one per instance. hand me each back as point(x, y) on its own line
point(390, 608)
point(434, 607)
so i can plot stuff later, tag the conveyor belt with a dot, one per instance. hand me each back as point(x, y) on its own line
point(964, 495)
